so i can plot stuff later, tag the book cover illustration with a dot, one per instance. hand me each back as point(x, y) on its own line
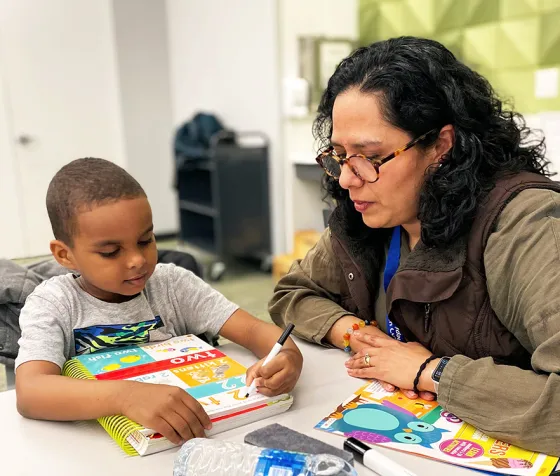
point(389, 419)
point(187, 362)
point(208, 375)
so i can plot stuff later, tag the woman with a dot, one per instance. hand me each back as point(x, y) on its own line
point(446, 234)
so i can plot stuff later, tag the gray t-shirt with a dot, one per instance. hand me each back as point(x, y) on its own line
point(60, 320)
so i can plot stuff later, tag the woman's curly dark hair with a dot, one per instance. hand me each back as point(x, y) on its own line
point(423, 86)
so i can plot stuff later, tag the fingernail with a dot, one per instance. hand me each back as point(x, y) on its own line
point(357, 334)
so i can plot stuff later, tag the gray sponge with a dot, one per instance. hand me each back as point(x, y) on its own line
point(283, 438)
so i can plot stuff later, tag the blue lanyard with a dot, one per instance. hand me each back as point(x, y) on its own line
point(391, 266)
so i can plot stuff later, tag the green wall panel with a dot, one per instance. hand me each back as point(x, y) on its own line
point(518, 43)
point(505, 40)
point(549, 47)
point(518, 8)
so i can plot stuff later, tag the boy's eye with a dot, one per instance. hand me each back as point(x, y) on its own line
point(111, 254)
point(145, 242)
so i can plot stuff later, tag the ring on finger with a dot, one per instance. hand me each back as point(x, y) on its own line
point(367, 359)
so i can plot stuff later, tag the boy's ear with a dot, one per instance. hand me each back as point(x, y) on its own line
point(62, 254)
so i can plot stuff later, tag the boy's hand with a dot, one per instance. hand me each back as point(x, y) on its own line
point(279, 375)
point(168, 410)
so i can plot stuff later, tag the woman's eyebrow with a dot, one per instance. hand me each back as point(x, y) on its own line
point(360, 145)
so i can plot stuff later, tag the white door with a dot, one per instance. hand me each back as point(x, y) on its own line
point(59, 63)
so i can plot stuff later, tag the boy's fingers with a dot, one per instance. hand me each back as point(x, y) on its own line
point(192, 420)
point(272, 368)
point(252, 373)
point(196, 408)
point(165, 429)
point(275, 382)
point(179, 425)
point(266, 392)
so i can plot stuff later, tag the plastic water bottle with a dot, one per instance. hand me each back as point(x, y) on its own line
point(204, 457)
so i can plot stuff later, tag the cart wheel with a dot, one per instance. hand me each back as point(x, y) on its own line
point(266, 264)
point(217, 271)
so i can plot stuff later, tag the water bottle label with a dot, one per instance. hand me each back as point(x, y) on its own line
point(280, 463)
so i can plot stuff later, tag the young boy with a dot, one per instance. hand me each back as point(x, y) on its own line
point(117, 295)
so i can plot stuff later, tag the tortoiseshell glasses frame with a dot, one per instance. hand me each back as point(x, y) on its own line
point(365, 168)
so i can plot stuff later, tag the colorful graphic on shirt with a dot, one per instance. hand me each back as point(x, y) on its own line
point(108, 336)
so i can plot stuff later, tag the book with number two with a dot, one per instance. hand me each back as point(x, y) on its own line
point(207, 374)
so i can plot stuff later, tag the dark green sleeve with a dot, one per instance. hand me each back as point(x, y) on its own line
point(522, 261)
point(307, 296)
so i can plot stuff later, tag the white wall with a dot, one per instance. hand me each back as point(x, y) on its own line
point(12, 237)
point(224, 60)
point(144, 80)
point(328, 18)
point(61, 91)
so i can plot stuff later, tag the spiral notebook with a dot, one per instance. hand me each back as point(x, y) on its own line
point(207, 374)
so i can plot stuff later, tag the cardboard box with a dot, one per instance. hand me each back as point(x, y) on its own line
point(281, 265)
point(304, 240)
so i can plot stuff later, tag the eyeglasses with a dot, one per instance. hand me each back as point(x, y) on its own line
point(365, 168)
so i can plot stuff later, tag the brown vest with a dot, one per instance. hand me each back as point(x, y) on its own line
point(439, 297)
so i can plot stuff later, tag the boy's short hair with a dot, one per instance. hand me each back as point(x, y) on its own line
point(85, 183)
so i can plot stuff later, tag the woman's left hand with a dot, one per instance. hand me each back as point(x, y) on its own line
point(391, 361)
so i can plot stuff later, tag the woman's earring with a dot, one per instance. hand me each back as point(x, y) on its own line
point(442, 159)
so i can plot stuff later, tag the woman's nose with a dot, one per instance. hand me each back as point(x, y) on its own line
point(348, 178)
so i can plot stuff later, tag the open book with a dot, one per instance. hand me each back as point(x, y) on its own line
point(214, 379)
point(389, 419)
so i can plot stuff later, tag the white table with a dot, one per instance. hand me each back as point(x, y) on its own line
point(30, 447)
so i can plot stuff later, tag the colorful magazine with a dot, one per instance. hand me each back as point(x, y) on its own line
point(213, 378)
point(389, 419)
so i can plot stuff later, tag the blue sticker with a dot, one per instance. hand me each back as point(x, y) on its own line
point(280, 463)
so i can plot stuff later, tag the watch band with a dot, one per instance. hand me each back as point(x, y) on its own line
point(438, 371)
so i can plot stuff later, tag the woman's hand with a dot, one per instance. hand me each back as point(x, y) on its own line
point(372, 331)
point(393, 362)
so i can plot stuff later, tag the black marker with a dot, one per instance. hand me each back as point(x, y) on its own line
point(274, 352)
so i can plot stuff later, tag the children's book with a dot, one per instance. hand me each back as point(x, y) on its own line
point(213, 378)
point(389, 419)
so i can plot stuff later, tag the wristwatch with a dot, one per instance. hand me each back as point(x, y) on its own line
point(436, 374)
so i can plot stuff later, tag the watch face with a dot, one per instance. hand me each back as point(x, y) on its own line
point(436, 376)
